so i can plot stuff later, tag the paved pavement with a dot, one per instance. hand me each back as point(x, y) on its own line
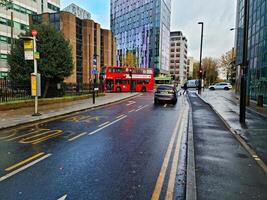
point(127, 150)
point(254, 132)
point(224, 169)
point(24, 115)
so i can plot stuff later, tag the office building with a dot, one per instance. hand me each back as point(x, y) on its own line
point(178, 56)
point(92, 47)
point(142, 28)
point(257, 48)
point(20, 9)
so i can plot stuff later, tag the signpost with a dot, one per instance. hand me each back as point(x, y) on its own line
point(30, 53)
point(94, 73)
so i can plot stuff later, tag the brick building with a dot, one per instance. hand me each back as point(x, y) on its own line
point(91, 45)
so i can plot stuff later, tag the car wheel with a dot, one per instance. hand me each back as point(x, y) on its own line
point(156, 101)
point(226, 88)
point(174, 102)
point(118, 89)
point(212, 88)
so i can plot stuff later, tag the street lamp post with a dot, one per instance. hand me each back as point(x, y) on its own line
point(243, 87)
point(200, 60)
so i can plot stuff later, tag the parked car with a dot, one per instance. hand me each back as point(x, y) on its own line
point(165, 93)
point(221, 86)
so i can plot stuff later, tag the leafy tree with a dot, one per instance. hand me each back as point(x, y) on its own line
point(195, 70)
point(55, 62)
point(227, 67)
point(210, 66)
point(130, 59)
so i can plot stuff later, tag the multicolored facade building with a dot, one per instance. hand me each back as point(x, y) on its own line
point(257, 46)
point(142, 28)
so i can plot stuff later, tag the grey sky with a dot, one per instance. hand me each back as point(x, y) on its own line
point(218, 16)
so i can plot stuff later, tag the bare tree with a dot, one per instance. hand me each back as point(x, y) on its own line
point(227, 66)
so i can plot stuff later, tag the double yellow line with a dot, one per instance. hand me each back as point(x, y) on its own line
point(177, 133)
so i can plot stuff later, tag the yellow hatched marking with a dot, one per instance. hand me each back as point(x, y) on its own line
point(24, 161)
point(30, 133)
point(32, 140)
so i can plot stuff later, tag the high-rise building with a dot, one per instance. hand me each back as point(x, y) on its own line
point(91, 45)
point(257, 48)
point(178, 56)
point(20, 10)
point(142, 29)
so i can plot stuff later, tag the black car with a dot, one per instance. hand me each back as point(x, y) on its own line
point(165, 93)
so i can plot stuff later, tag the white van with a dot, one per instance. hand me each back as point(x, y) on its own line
point(192, 83)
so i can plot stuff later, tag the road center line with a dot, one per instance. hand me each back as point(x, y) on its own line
point(141, 108)
point(131, 111)
point(24, 167)
point(104, 124)
point(131, 103)
point(120, 116)
point(107, 125)
point(63, 198)
point(77, 136)
point(172, 177)
point(24, 161)
point(161, 177)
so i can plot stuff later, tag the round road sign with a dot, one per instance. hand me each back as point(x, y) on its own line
point(34, 32)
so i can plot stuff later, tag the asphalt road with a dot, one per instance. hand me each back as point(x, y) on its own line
point(128, 150)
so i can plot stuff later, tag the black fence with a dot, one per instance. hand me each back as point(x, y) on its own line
point(15, 92)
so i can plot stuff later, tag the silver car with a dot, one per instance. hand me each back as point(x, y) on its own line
point(165, 93)
point(221, 86)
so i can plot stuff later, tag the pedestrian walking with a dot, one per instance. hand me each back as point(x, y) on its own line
point(185, 88)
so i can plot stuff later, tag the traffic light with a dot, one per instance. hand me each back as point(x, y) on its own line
point(200, 73)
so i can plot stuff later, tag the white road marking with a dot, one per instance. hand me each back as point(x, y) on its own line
point(131, 111)
point(120, 116)
point(78, 136)
point(104, 124)
point(165, 105)
point(107, 125)
point(130, 103)
point(24, 167)
point(63, 198)
point(140, 108)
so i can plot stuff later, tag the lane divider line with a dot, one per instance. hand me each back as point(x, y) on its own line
point(131, 103)
point(77, 136)
point(103, 127)
point(141, 108)
point(24, 167)
point(131, 111)
point(104, 124)
point(161, 177)
point(24, 161)
point(63, 198)
point(172, 177)
point(120, 116)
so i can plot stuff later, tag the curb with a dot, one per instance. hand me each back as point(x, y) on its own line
point(61, 116)
point(237, 136)
point(191, 188)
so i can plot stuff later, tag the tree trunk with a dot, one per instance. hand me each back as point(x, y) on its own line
point(46, 87)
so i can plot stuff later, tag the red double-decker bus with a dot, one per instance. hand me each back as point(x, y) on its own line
point(126, 79)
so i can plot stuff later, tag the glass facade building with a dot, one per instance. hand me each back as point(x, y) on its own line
point(142, 29)
point(257, 45)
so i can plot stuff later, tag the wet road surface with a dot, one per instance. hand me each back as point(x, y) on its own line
point(128, 150)
point(224, 170)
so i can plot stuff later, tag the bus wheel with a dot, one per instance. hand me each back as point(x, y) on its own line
point(143, 89)
point(118, 89)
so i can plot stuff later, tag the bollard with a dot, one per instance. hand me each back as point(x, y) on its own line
point(260, 101)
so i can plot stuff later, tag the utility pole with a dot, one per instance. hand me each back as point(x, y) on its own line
point(200, 60)
point(243, 87)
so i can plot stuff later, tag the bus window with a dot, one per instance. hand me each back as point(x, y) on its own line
point(118, 81)
point(110, 70)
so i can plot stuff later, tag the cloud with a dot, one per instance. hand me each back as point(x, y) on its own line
point(218, 18)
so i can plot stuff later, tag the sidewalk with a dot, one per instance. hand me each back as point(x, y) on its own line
point(20, 116)
point(255, 130)
point(224, 169)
